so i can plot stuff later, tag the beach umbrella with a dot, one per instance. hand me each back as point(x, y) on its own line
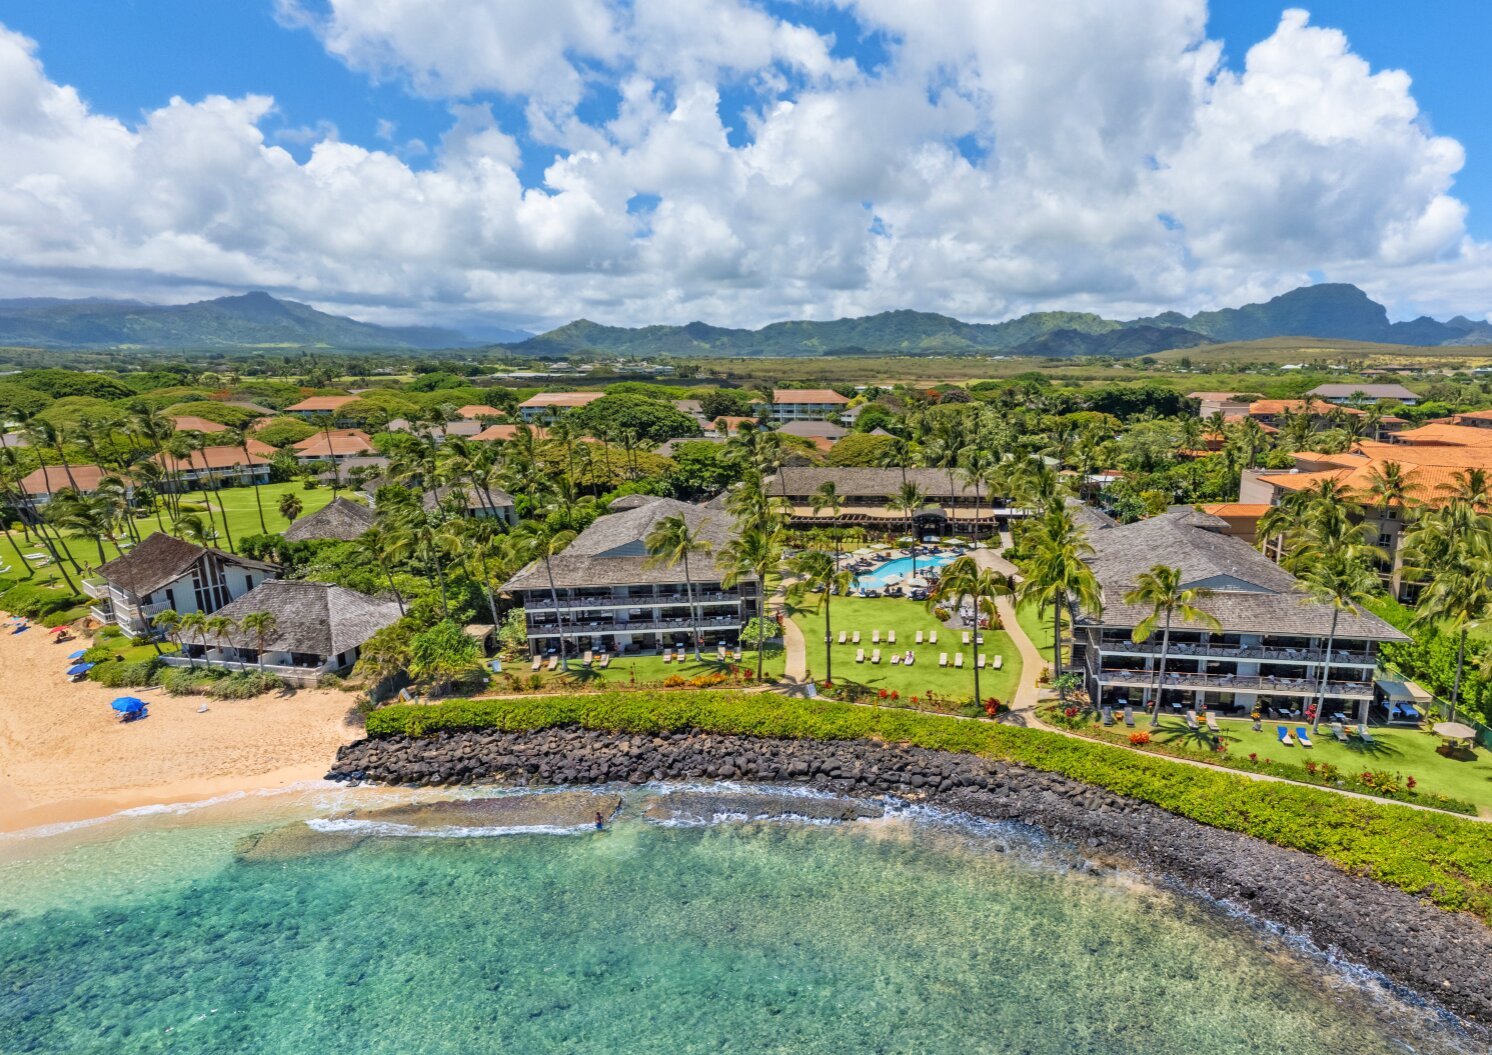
point(79, 654)
point(57, 630)
point(80, 668)
point(128, 704)
point(1454, 731)
point(906, 539)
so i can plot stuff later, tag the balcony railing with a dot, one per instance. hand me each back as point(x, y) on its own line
point(215, 658)
point(581, 629)
point(1272, 655)
point(635, 601)
point(96, 588)
point(1238, 683)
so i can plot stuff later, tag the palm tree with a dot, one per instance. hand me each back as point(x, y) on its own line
point(219, 626)
point(1451, 547)
point(290, 506)
point(828, 497)
point(1161, 590)
point(755, 552)
point(168, 622)
point(241, 435)
point(376, 544)
point(1338, 574)
point(547, 545)
point(1054, 572)
point(189, 624)
point(1388, 486)
point(670, 543)
point(324, 422)
point(964, 579)
point(261, 626)
point(815, 568)
point(909, 499)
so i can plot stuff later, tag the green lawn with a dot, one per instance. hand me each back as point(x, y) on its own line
point(648, 671)
point(1038, 628)
point(906, 617)
point(238, 504)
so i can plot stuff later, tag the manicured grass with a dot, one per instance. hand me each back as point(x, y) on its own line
point(1038, 628)
point(1438, 856)
point(649, 671)
point(906, 617)
point(238, 505)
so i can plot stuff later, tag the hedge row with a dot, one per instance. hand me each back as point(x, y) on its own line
point(1441, 857)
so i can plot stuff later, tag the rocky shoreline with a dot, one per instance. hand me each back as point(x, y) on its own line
point(1446, 957)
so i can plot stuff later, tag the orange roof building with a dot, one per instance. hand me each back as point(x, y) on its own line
point(546, 404)
point(503, 432)
point(474, 411)
point(334, 445)
point(192, 423)
point(319, 405)
point(41, 484)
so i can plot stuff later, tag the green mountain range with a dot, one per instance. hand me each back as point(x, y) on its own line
point(1328, 310)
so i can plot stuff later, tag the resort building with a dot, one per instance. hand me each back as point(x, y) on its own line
point(796, 404)
point(547, 405)
point(503, 433)
point(166, 572)
point(215, 466)
point(822, 434)
point(611, 597)
point(318, 629)
point(1269, 653)
point(438, 433)
point(192, 423)
point(477, 411)
point(40, 485)
point(335, 446)
point(313, 406)
point(1224, 403)
point(869, 498)
point(1352, 393)
point(341, 520)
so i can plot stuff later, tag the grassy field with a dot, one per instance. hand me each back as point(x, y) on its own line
point(637, 671)
point(1038, 628)
point(867, 614)
point(238, 504)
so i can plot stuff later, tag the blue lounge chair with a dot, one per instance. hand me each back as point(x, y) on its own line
point(1303, 736)
point(1284, 735)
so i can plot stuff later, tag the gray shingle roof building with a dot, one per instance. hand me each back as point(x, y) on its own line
point(312, 618)
point(162, 559)
point(342, 520)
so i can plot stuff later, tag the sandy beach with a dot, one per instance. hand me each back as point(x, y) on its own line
point(65, 756)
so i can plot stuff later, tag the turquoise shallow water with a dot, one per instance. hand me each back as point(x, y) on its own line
point(883, 936)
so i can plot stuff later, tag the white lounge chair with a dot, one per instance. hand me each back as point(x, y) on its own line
point(875, 637)
point(720, 651)
point(1339, 731)
point(919, 637)
point(932, 637)
point(958, 659)
point(980, 664)
point(604, 660)
point(965, 637)
point(856, 637)
point(553, 662)
point(1191, 720)
point(979, 640)
point(739, 654)
point(891, 636)
point(896, 658)
point(1129, 717)
point(875, 655)
point(999, 662)
point(538, 662)
point(942, 659)
point(1212, 725)
point(859, 655)
point(910, 658)
point(1363, 734)
point(589, 656)
point(1108, 714)
point(843, 636)
point(668, 655)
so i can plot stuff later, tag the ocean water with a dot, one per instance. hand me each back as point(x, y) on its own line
point(912, 933)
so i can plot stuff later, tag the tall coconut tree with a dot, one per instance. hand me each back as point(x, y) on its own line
point(828, 497)
point(260, 626)
point(290, 506)
point(1338, 572)
point(1160, 589)
point(669, 544)
point(376, 544)
point(168, 622)
point(964, 580)
point(241, 434)
point(909, 499)
point(1054, 572)
point(755, 552)
point(817, 569)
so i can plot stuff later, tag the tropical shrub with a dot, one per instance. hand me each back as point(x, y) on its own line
point(36, 602)
point(123, 675)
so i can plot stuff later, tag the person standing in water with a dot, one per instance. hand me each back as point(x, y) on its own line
point(600, 821)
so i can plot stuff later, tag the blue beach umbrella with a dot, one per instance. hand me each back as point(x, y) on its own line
point(79, 654)
point(128, 704)
point(80, 668)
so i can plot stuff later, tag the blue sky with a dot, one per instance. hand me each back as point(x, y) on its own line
point(350, 80)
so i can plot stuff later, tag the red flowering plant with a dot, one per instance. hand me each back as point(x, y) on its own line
point(1139, 739)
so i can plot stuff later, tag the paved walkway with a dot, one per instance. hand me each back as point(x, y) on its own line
point(1027, 692)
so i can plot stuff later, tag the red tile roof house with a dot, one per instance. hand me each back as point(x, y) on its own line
point(502, 433)
point(192, 423)
point(225, 464)
point(796, 404)
point(41, 484)
point(547, 404)
point(337, 446)
point(312, 406)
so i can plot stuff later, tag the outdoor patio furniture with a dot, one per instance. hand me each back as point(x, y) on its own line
point(891, 636)
point(588, 657)
point(1129, 717)
point(942, 659)
point(958, 659)
point(553, 662)
point(1284, 736)
point(668, 655)
point(980, 663)
point(1363, 734)
point(875, 637)
point(856, 637)
point(875, 655)
point(843, 635)
point(604, 661)
point(896, 658)
point(999, 662)
point(738, 655)
point(910, 658)
point(919, 637)
point(932, 637)
point(1303, 736)
point(859, 655)
point(1339, 731)
point(1212, 722)
point(965, 637)
point(1108, 715)
point(1191, 720)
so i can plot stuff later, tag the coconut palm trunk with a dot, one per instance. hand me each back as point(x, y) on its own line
point(558, 613)
point(1160, 671)
point(1331, 640)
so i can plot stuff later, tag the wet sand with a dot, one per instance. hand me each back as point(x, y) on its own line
point(65, 756)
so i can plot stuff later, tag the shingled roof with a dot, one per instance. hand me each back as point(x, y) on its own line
point(860, 482)
point(312, 617)
point(343, 519)
point(612, 551)
point(1251, 594)
point(162, 559)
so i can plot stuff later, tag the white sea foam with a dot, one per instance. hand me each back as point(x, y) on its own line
point(394, 830)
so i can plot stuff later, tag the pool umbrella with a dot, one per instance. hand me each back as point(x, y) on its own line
point(79, 654)
point(906, 539)
point(128, 704)
point(1454, 731)
point(79, 668)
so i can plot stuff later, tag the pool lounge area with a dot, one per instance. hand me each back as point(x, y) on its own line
point(900, 568)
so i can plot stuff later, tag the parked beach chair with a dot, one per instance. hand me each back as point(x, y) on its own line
point(1284, 734)
point(891, 636)
point(958, 660)
point(875, 655)
point(553, 662)
point(1363, 734)
point(919, 637)
point(720, 651)
point(999, 662)
point(875, 637)
point(843, 636)
point(1191, 720)
point(668, 655)
point(942, 659)
point(1212, 722)
point(980, 663)
point(859, 655)
point(538, 662)
point(588, 657)
point(979, 640)
point(604, 661)
point(1303, 736)
point(1108, 715)
point(1339, 731)
point(739, 654)
point(965, 637)
point(910, 658)
point(896, 658)
point(856, 637)
point(1129, 717)
point(932, 637)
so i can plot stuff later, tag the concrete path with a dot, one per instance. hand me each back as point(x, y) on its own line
point(1027, 692)
point(795, 660)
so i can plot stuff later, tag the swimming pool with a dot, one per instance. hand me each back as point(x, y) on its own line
point(898, 569)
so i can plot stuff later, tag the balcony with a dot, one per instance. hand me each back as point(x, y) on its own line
point(102, 613)
point(631, 626)
point(304, 675)
point(539, 604)
point(1271, 655)
point(1238, 683)
point(96, 588)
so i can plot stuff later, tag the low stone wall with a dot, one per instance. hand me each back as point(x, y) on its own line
point(1441, 955)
